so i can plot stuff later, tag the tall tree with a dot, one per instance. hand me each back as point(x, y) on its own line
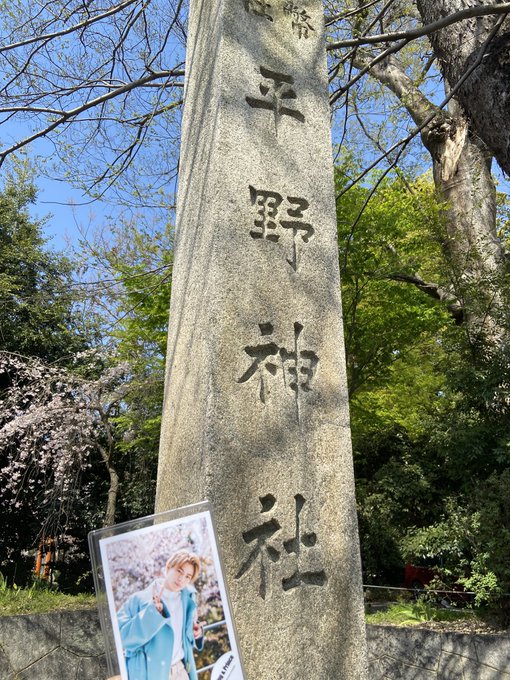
point(429, 420)
point(39, 315)
point(58, 439)
point(461, 167)
point(104, 82)
point(473, 54)
point(129, 267)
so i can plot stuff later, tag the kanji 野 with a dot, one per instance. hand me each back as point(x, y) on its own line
point(268, 223)
point(268, 203)
point(304, 229)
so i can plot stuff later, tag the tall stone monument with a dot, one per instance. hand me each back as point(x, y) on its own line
point(256, 414)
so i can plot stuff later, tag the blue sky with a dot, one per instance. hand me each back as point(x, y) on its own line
point(68, 208)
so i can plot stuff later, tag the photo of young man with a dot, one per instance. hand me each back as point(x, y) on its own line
point(166, 614)
point(159, 626)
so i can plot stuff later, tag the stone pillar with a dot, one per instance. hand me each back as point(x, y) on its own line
point(256, 412)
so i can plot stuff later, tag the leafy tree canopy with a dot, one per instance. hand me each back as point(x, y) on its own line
point(39, 312)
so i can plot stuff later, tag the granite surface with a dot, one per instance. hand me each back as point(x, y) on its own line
point(255, 417)
point(69, 646)
point(63, 646)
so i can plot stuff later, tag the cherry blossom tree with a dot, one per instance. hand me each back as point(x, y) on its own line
point(54, 422)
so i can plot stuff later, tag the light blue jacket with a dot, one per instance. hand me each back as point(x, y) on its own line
point(148, 638)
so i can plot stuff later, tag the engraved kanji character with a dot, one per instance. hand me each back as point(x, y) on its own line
point(259, 7)
point(262, 364)
point(294, 546)
point(300, 19)
point(299, 365)
point(297, 226)
point(275, 89)
point(268, 203)
point(261, 534)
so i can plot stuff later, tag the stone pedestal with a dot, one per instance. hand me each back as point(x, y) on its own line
point(256, 413)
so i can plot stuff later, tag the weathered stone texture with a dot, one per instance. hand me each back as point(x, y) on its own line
point(58, 665)
point(64, 646)
point(392, 651)
point(415, 654)
point(42, 631)
point(256, 412)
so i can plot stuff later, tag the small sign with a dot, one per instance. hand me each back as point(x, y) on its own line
point(163, 601)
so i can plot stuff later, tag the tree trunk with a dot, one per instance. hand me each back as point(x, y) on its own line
point(463, 180)
point(113, 491)
point(485, 96)
point(462, 175)
point(111, 504)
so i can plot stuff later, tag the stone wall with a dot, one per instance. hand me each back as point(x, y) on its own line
point(417, 654)
point(64, 646)
point(68, 646)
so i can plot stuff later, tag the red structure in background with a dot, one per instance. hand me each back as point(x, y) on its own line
point(45, 559)
point(417, 577)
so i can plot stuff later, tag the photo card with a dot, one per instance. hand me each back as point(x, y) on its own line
point(163, 603)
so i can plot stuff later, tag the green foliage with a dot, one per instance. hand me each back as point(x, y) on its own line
point(39, 598)
point(141, 335)
point(483, 583)
point(472, 538)
point(136, 259)
point(429, 409)
point(475, 433)
point(414, 613)
point(385, 318)
point(38, 315)
point(447, 538)
point(472, 530)
point(396, 380)
point(489, 575)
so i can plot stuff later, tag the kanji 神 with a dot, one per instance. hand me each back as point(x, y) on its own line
point(259, 8)
point(276, 90)
point(300, 19)
point(268, 554)
point(298, 366)
point(268, 223)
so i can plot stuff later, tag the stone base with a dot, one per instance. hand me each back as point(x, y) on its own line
point(69, 646)
point(397, 653)
point(62, 646)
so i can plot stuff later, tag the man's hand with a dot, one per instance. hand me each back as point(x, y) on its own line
point(156, 598)
point(197, 629)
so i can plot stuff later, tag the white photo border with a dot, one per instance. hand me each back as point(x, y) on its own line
point(100, 540)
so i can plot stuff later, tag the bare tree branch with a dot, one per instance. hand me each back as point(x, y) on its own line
point(434, 291)
point(73, 113)
point(419, 32)
point(67, 31)
point(406, 140)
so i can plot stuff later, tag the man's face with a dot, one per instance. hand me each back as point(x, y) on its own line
point(179, 577)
